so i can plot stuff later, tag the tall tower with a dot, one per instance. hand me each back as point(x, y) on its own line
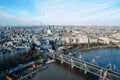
point(88, 35)
point(53, 27)
point(1, 57)
point(88, 40)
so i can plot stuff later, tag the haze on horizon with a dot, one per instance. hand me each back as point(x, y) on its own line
point(60, 12)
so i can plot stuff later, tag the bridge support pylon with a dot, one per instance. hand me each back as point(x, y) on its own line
point(72, 64)
point(85, 71)
point(61, 59)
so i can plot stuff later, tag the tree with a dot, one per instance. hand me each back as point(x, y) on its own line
point(111, 43)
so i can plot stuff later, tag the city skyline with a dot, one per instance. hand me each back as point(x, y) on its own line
point(60, 12)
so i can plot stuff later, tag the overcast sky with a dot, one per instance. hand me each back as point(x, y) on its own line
point(60, 12)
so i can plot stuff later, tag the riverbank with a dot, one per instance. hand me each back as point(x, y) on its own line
point(82, 50)
point(58, 71)
point(19, 58)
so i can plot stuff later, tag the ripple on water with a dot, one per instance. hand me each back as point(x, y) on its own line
point(103, 56)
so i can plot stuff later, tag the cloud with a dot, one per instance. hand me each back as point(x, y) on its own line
point(79, 12)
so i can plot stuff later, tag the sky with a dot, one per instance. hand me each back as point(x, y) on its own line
point(60, 12)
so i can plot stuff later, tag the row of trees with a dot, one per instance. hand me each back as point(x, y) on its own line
point(19, 58)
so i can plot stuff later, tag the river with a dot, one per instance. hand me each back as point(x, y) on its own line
point(57, 71)
point(103, 57)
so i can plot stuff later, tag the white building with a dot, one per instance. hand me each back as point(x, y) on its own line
point(49, 32)
point(104, 40)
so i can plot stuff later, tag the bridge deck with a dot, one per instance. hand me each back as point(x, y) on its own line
point(101, 72)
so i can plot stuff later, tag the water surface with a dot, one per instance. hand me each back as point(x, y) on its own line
point(57, 71)
point(103, 57)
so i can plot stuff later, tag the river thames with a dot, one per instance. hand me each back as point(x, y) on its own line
point(58, 71)
point(108, 57)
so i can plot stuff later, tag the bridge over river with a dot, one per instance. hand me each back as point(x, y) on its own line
point(102, 73)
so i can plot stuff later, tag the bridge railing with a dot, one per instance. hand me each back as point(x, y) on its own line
point(102, 73)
